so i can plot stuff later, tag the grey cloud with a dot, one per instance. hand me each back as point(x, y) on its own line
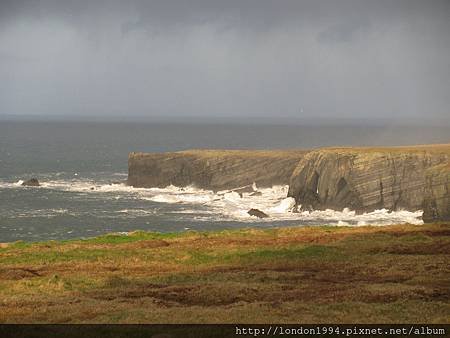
point(257, 14)
point(349, 58)
point(344, 32)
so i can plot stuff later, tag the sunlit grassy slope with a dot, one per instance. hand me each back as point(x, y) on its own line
point(307, 274)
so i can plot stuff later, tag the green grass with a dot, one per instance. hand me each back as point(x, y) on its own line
point(56, 256)
point(393, 274)
point(290, 254)
point(116, 238)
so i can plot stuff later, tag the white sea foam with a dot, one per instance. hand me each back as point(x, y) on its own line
point(181, 198)
point(45, 213)
point(224, 205)
point(11, 185)
point(273, 201)
point(232, 197)
point(342, 223)
point(136, 212)
point(286, 205)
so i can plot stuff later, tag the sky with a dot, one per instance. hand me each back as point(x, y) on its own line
point(331, 59)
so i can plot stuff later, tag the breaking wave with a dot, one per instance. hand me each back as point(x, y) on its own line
point(206, 205)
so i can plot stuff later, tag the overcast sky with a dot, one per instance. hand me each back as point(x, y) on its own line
point(235, 58)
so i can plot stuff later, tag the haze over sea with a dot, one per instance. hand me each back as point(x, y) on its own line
point(82, 166)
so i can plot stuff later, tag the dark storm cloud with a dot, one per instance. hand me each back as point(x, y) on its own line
point(292, 58)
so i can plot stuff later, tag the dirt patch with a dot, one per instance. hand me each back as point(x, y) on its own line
point(397, 273)
point(434, 248)
point(147, 244)
point(18, 273)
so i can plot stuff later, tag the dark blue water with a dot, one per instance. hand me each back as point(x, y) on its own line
point(81, 166)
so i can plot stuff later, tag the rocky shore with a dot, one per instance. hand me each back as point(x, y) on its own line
point(362, 179)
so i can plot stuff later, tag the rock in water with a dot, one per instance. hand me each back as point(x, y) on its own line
point(32, 182)
point(256, 193)
point(241, 190)
point(257, 213)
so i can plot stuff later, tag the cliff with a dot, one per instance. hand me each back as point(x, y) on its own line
point(213, 169)
point(362, 179)
point(365, 179)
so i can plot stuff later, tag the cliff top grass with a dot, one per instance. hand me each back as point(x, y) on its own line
point(276, 153)
point(368, 274)
point(246, 152)
point(429, 148)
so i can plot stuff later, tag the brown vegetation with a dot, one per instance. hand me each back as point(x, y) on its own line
point(306, 274)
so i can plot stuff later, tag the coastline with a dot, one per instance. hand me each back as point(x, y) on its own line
point(392, 274)
point(363, 179)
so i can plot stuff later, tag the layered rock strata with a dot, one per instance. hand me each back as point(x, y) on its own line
point(213, 169)
point(362, 179)
point(365, 179)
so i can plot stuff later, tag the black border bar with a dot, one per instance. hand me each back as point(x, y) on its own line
point(221, 330)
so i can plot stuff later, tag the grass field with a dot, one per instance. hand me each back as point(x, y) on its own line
point(391, 274)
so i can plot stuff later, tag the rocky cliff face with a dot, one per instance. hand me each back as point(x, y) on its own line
point(212, 169)
point(436, 204)
point(365, 179)
point(362, 179)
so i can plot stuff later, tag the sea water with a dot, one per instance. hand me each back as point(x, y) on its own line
point(82, 167)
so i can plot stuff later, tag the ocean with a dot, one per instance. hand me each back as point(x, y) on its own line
point(82, 167)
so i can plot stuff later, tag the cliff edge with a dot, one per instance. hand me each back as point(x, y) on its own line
point(365, 179)
point(362, 179)
point(213, 169)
